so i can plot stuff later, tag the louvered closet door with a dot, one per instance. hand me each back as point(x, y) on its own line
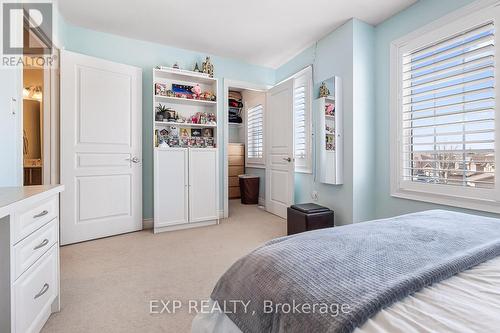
point(449, 111)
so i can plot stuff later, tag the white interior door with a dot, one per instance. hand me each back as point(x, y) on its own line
point(101, 136)
point(280, 163)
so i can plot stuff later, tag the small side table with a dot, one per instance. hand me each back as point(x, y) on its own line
point(309, 216)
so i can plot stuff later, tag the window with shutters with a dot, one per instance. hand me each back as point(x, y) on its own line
point(302, 121)
point(255, 135)
point(444, 119)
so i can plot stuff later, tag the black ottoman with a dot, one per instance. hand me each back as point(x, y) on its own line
point(308, 216)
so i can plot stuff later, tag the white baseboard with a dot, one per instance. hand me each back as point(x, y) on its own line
point(147, 223)
point(262, 201)
point(221, 214)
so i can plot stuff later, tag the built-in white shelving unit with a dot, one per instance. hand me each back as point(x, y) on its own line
point(186, 169)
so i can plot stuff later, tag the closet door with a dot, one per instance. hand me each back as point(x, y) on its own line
point(170, 187)
point(203, 186)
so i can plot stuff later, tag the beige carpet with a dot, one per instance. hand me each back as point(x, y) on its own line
point(107, 284)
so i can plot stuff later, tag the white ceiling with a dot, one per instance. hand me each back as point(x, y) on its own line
point(262, 32)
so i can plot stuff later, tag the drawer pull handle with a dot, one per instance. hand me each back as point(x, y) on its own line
point(42, 244)
point(43, 291)
point(45, 212)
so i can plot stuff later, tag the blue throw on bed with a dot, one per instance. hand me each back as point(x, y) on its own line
point(363, 267)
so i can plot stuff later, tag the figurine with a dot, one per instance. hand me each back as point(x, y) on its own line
point(196, 68)
point(323, 90)
point(208, 67)
point(175, 66)
point(196, 90)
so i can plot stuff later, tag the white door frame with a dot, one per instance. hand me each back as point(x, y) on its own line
point(240, 85)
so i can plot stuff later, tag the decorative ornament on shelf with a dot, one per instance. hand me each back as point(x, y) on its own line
point(208, 67)
point(176, 66)
point(196, 68)
point(196, 90)
point(323, 90)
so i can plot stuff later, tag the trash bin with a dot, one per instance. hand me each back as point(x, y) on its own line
point(249, 187)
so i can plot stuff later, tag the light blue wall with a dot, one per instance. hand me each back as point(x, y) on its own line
point(147, 55)
point(333, 55)
point(414, 17)
point(364, 118)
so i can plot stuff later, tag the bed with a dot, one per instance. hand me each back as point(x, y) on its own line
point(433, 271)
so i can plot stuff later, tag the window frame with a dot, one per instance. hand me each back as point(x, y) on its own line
point(261, 161)
point(473, 198)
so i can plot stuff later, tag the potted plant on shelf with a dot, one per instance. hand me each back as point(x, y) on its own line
point(161, 112)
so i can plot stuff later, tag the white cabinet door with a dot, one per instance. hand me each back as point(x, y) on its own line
point(203, 186)
point(101, 148)
point(170, 187)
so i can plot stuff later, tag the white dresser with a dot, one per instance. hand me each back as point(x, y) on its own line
point(29, 257)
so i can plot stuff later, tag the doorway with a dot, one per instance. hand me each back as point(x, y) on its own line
point(40, 115)
point(244, 152)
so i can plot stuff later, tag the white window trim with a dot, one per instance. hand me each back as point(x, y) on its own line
point(256, 162)
point(462, 19)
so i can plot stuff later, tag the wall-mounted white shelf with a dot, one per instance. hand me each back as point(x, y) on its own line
point(185, 100)
point(169, 123)
point(331, 141)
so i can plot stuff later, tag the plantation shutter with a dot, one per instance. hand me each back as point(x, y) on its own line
point(448, 111)
point(299, 106)
point(255, 132)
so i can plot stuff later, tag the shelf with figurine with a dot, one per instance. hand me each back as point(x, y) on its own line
point(175, 137)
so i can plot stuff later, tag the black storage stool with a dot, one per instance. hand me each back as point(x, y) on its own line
point(308, 216)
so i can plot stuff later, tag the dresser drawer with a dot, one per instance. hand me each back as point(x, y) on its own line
point(33, 217)
point(236, 170)
point(234, 181)
point(27, 251)
point(34, 293)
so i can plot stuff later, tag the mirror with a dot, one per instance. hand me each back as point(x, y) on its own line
point(330, 149)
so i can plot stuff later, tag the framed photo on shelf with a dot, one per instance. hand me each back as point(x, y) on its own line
point(182, 89)
point(195, 132)
point(161, 89)
point(208, 132)
point(184, 133)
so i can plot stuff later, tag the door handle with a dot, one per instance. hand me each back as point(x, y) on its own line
point(134, 159)
point(288, 159)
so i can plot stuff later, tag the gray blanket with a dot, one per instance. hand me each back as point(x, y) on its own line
point(362, 267)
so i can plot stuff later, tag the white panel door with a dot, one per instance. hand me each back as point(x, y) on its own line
point(170, 186)
point(203, 185)
point(101, 138)
point(280, 163)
